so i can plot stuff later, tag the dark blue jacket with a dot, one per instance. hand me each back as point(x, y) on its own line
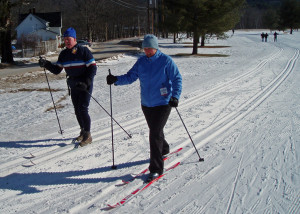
point(79, 64)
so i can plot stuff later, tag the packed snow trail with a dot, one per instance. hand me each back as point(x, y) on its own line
point(242, 112)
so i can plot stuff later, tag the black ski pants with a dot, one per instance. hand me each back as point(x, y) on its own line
point(81, 101)
point(156, 118)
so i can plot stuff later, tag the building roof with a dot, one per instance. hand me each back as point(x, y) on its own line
point(54, 18)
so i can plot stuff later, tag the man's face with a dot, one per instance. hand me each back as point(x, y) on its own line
point(70, 42)
point(150, 52)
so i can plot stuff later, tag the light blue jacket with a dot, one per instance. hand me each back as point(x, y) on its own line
point(159, 79)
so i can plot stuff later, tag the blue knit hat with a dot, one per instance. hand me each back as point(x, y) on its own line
point(150, 41)
point(70, 32)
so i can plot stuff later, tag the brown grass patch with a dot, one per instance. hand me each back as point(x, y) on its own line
point(33, 89)
point(14, 82)
point(57, 104)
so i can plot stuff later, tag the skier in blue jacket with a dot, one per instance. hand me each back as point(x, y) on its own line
point(161, 85)
point(80, 67)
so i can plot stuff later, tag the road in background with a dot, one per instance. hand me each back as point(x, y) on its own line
point(100, 50)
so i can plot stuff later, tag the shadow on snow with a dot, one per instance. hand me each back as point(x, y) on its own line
point(27, 182)
point(35, 143)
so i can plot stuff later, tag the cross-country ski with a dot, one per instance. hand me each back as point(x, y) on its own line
point(166, 157)
point(138, 190)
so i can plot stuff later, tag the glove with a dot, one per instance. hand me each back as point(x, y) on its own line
point(81, 86)
point(43, 62)
point(88, 82)
point(111, 79)
point(173, 102)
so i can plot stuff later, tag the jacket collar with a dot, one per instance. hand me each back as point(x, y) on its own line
point(155, 57)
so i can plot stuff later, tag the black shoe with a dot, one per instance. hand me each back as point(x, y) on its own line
point(165, 151)
point(152, 176)
point(165, 154)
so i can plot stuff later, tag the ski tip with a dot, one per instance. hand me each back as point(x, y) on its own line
point(27, 165)
point(109, 207)
point(125, 182)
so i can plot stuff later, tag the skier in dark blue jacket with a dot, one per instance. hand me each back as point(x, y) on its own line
point(161, 85)
point(80, 67)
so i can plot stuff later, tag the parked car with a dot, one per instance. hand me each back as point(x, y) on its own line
point(84, 42)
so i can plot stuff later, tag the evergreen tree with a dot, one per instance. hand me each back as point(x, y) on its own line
point(5, 28)
point(203, 17)
point(5, 32)
point(173, 16)
point(290, 14)
point(271, 19)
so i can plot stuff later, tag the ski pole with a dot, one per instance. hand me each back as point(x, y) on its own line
point(61, 131)
point(200, 159)
point(112, 128)
point(129, 135)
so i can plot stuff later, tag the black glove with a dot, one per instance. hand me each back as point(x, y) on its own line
point(111, 79)
point(44, 63)
point(88, 82)
point(173, 102)
point(81, 86)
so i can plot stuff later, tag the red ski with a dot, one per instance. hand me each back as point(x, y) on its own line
point(168, 156)
point(138, 190)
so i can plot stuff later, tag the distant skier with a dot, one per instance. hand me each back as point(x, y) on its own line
point(262, 36)
point(275, 36)
point(266, 37)
point(80, 67)
point(161, 85)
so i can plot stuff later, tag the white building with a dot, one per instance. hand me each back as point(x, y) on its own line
point(41, 26)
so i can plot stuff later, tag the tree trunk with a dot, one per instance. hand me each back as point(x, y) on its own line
point(203, 40)
point(5, 31)
point(195, 43)
point(174, 38)
point(6, 50)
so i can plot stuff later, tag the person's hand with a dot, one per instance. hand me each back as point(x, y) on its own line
point(43, 62)
point(111, 79)
point(173, 102)
point(81, 86)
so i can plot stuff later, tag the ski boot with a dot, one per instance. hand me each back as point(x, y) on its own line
point(86, 139)
point(152, 176)
point(80, 137)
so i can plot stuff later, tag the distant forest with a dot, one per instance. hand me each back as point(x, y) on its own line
point(254, 13)
point(108, 19)
point(102, 20)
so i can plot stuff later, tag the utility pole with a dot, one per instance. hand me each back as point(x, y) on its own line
point(139, 27)
point(148, 17)
point(153, 16)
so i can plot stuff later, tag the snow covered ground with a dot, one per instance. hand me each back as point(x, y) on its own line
point(242, 111)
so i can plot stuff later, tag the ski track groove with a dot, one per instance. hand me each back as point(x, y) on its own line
point(295, 208)
point(186, 171)
point(135, 123)
point(234, 185)
point(204, 136)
